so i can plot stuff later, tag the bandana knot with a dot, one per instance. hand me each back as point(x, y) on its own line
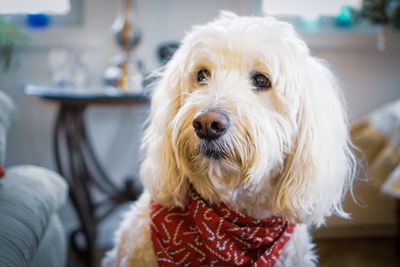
point(201, 234)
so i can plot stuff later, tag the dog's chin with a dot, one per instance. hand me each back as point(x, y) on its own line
point(212, 149)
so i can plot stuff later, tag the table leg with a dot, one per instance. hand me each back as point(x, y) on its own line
point(398, 228)
point(77, 162)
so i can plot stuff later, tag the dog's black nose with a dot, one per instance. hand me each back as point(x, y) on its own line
point(210, 125)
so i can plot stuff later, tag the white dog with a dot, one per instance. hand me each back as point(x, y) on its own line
point(244, 124)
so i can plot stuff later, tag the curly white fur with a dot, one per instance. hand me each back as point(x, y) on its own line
point(287, 151)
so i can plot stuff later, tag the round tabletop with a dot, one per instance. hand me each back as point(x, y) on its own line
point(87, 96)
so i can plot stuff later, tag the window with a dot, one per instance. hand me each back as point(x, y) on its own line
point(29, 6)
point(307, 9)
point(319, 22)
point(334, 17)
point(63, 13)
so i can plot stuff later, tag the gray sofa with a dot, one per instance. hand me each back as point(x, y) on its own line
point(31, 233)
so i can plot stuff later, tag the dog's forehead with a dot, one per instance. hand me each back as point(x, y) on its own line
point(235, 41)
point(228, 51)
point(243, 47)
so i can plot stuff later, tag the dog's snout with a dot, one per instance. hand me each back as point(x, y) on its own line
point(210, 124)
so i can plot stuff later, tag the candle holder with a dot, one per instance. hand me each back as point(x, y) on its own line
point(125, 72)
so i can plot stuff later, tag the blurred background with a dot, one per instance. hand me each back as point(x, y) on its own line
point(95, 56)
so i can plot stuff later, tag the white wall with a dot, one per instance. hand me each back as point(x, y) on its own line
point(369, 78)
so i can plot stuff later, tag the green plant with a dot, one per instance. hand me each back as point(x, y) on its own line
point(10, 37)
point(382, 11)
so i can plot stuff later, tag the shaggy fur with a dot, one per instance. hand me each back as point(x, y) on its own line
point(287, 150)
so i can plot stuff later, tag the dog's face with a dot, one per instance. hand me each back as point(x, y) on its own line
point(243, 107)
point(234, 124)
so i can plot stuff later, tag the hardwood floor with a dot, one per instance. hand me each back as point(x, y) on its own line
point(355, 252)
point(365, 252)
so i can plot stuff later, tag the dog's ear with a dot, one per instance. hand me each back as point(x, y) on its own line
point(159, 170)
point(319, 170)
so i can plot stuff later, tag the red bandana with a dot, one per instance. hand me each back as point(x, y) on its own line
point(2, 172)
point(211, 235)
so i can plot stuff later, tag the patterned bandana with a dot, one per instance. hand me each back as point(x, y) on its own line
point(214, 235)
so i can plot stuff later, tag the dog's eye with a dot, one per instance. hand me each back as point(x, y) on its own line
point(202, 76)
point(260, 81)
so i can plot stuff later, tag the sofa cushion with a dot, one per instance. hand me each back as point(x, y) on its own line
point(53, 247)
point(29, 197)
point(6, 113)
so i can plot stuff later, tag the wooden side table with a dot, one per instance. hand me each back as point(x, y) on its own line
point(76, 161)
